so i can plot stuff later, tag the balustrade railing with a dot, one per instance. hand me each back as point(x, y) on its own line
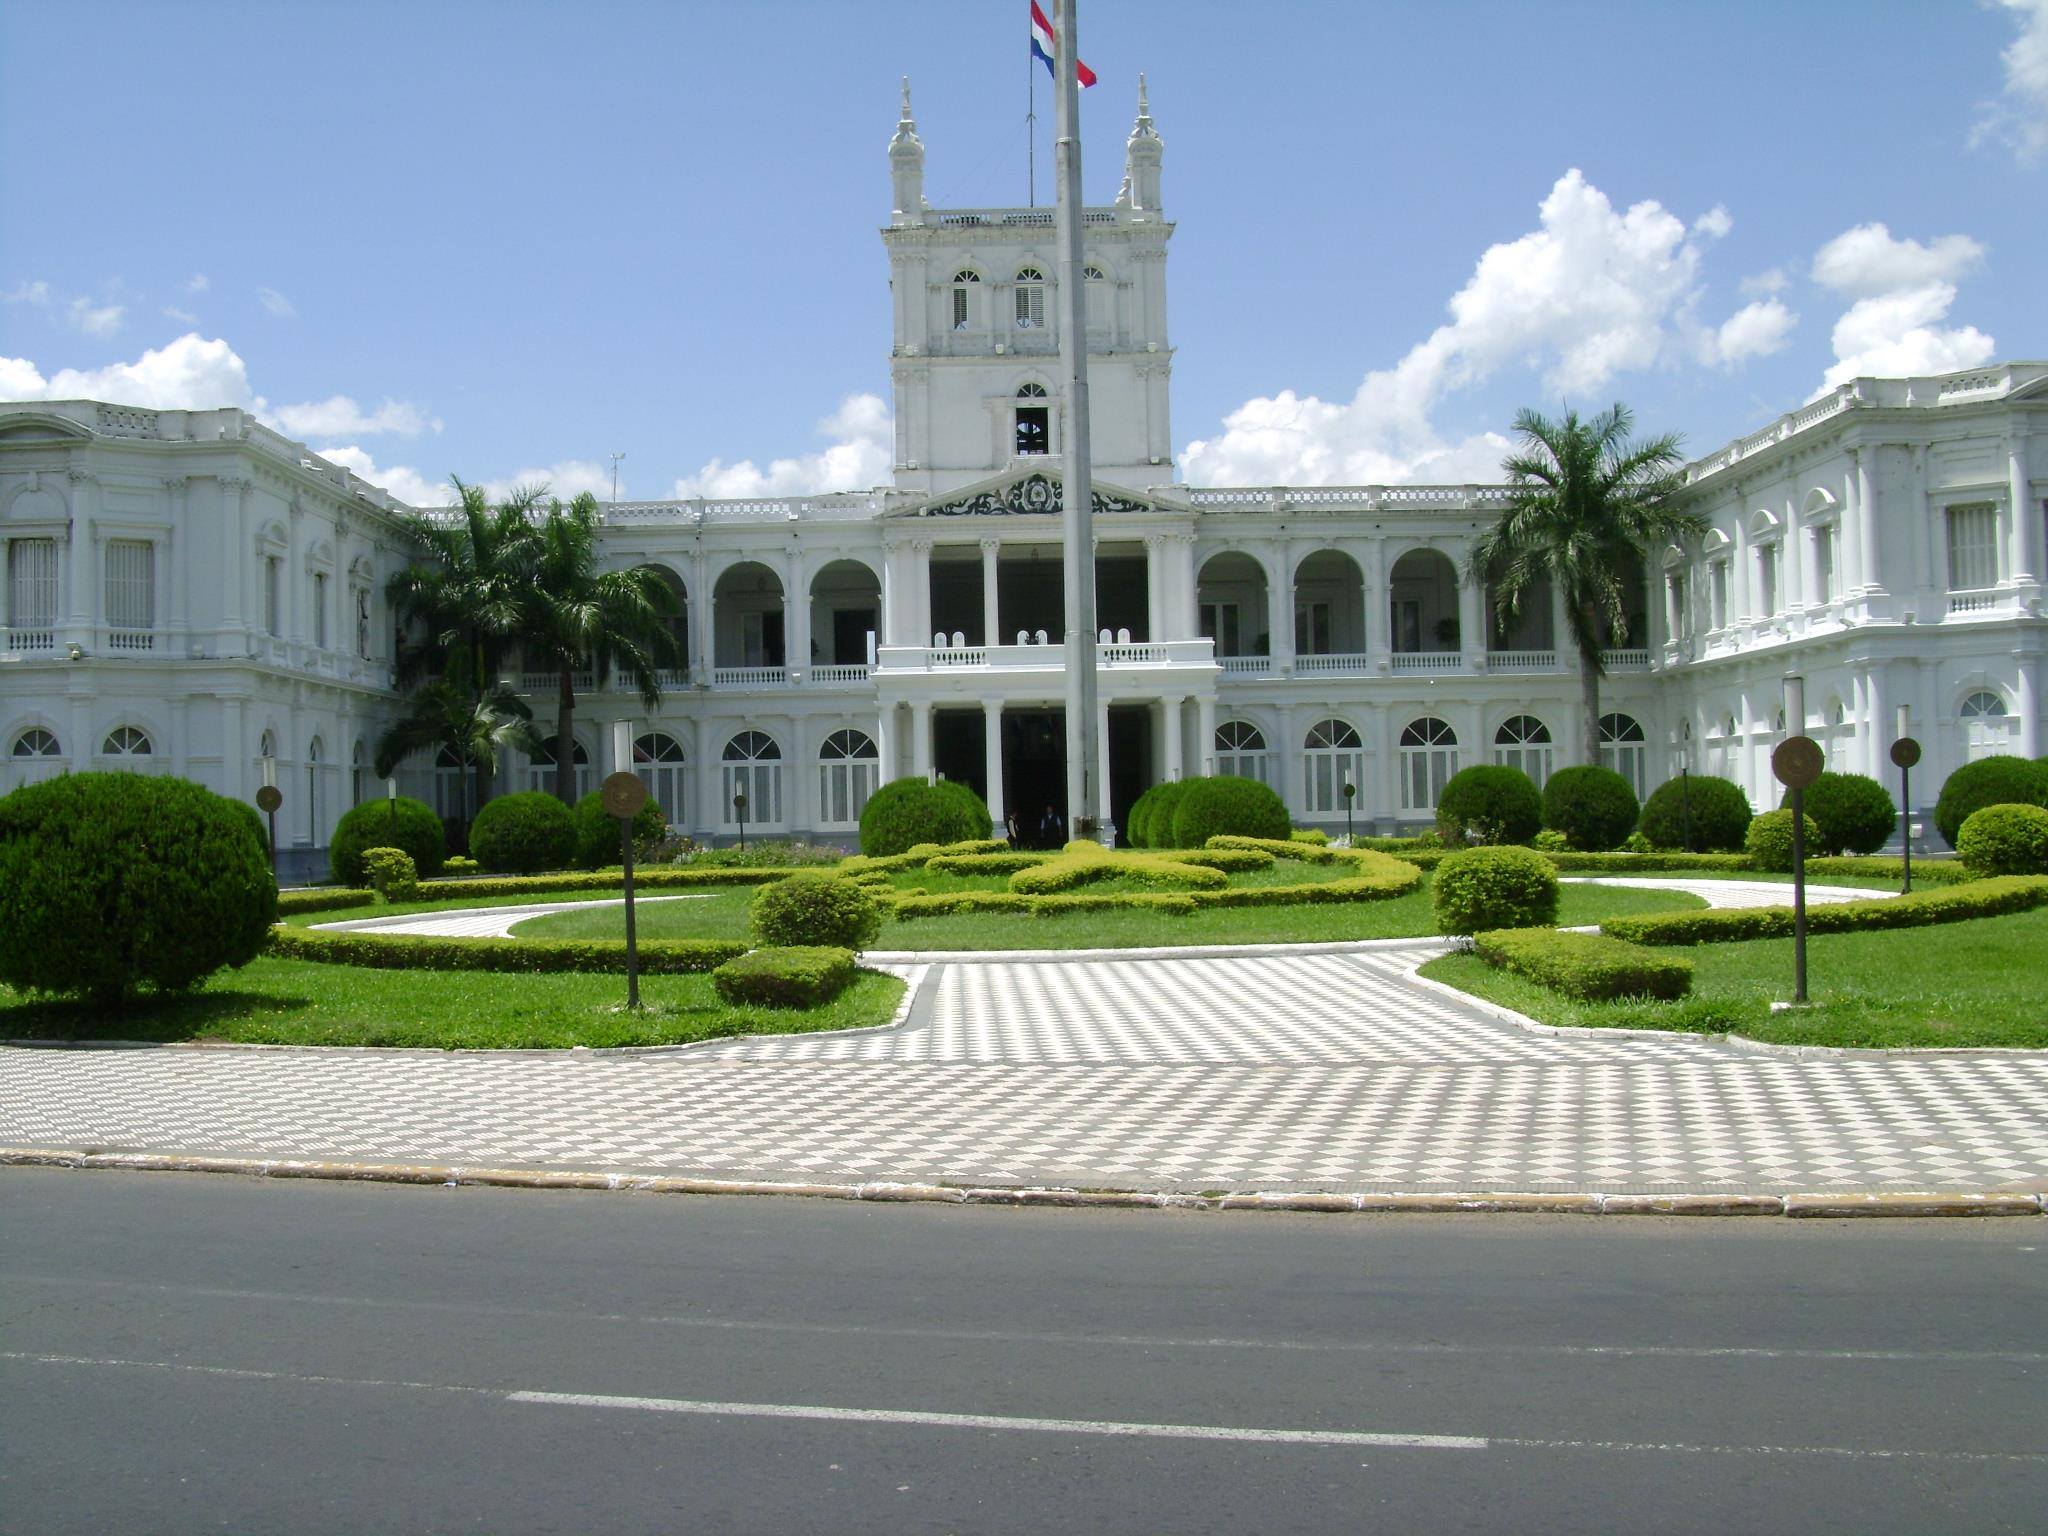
point(749, 677)
point(131, 640)
point(1335, 663)
point(1979, 600)
point(1626, 661)
point(1428, 661)
point(26, 640)
point(1118, 654)
point(1245, 666)
point(1521, 661)
point(838, 676)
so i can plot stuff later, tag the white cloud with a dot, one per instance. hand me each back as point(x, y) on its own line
point(19, 380)
point(96, 319)
point(37, 294)
point(1592, 292)
point(859, 458)
point(1765, 284)
point(1755, 330)
point(2020, 118)
point(182, 316)
point(340, 416)
point(190, 373)
point(197, 283)
point(408, 485)
point(566, 478)
point(1901, 290)
point(276, 303)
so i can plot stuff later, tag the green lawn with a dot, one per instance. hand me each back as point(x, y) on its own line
point(1977, 983)
point(1399, 917)
point(295, 1002)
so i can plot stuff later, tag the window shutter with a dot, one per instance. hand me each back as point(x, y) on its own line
point(1972, 547)
point(32, 582)
point(131, 584)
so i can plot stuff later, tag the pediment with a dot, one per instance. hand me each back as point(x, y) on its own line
point(27, 428)
point(1031, 493)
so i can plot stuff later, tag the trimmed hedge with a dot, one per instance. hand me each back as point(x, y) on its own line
point(1988, 781)
point(1314, 835)
point(1279, 848)
point(1872, 867)
point(1087, 864)
point(1149, 821)
point(809, 910)
point(2005, 840)
point(1232, 861)
point(417, 952)
point(114, 881)
point(1486, 888)
point(1590, 966)
point(798, 976)
point(523, 833)
point(1227, 805)
point(597, 834)
point(598, 880)
point(980, 863)
point(391, 873)
point(1852, 811)
point(1717, 810)
point(1488, 803)
point(906, 812)
point(1769, 841)
point(324, 899)
point(368, 825)
point(1593, 807)
point(1957, 903)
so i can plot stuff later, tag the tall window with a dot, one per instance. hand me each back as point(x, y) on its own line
point(753, 767)
point(1623, 749)
point(1524, 742)
point(658, 760)
point(1311, 627)
point(1674, 605)
point(362, 611)
point(1034, 420)
point(1719, 617)
point(320, 609)
point(847, 767)
point(1097, 294)
point(540, 773)
point(1429, 756)
point(1030, 299)
point(32, 589)
point(1972, 547)
point(965, 283)
point(1824, 562)
point(1767, 580)
point(273, 595)
point(1220, 623)
point(1331, 757)
point(1241, 750)
point(131, 586)
point(1984, 724)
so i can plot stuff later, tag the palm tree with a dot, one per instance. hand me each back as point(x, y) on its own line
point(476, 726)
point(571, 615)
point(1583, 500)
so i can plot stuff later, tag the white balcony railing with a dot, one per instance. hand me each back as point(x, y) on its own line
point(1626, 661)
point(20, 640)
point(1428, 661)
point(550, 682)
point(1521, 661)
point(130, 641)
point(1245, 666)
point(1978, 600)
point(892, 659)
point(1332, 664)
point(839, 676)
point(749, 677)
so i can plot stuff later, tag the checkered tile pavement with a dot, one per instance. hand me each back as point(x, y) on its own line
point(1303, 1072)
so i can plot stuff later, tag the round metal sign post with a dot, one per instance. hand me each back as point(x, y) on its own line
point(268, 799)
point(622, 795)
point(1797, 762)
point(1905, 753)
point(739, 811)
point(1350, 794)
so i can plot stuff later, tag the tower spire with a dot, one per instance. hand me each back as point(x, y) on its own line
point(1142, 154)
point(906, 166)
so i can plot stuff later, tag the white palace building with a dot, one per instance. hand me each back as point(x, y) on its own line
point(189, 592)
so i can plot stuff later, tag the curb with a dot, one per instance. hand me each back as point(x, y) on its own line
point(1940, 1203)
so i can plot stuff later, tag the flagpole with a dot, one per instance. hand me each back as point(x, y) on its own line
point(1031, 120)
point(1085, 796)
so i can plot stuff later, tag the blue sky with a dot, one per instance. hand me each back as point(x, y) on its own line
point(505, 239)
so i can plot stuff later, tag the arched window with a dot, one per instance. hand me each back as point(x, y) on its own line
point(1241, 750)
point(451, 786)
point(753, 767)
point(1622, 748)
point(266, 745)
point(36, 756)
point(659, 761)
point(1030, 298)
point(1034, 420)
point(126, 741)
point(1429, 756)
point(36, 742)
point(848, 766)
point(540, 773)
point(313, 756)
point(1331, 757)
point(1524, 742)
point(1985, 724)
point(965, 283)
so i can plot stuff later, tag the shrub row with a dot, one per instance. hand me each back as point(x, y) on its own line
point(1232, 861)
point(1925, 871)
point(324, 899)
point(1590, 966)
point(417, 952)
point(597, 880)
point(1378, 878)
point(1188, 812)
point(983, 863)
point(1088, 865)
point(1958, 903)
point(799, 976)
point(1283, 848)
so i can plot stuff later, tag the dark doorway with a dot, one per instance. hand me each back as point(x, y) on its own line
point(959, 738)
point(850, 630)
point(1130, 761)
point(1034, 433)
point(1035, 774)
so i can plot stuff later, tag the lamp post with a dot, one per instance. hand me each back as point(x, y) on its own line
point(623, 795)
point(1797, 762)
point(391, 799)
point(1905, 753)
point(739, 811)
point(1685, 779)
point(1350, 794)
point(268, 799)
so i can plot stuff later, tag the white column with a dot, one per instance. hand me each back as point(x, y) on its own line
point(1280, 609)
point(1471, 620)
point(921, 590)
point(79, 556)
point(171, 555)
point(2027, 696)
point(1794, 574)
point(1155, 586)
point(1561, 630)
point(234, 555)
point(1865, 514)
point(703, 619)
point(1205, 728)
point(992, 758)
point(921, 738)
point(1174, 717)
point(1286, 758)
point(1182, 621)
point(991, 604)
point(2026, 516)
point(1379, 606)
point(885, 743)
point(1102, 760)
point(234, 751)
point(796, 614)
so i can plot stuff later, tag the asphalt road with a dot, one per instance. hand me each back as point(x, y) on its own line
point(182, 1353)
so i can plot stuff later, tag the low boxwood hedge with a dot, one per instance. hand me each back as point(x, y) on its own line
point(658, 878)
point(1088, 864)
point(1956, 903)
point(797, 976)
point(1590, 966)
point(1281, 848)
point(1873, 867)
point(418, 952)
point(981, 863)
point(337, 898)
point(1232, 861)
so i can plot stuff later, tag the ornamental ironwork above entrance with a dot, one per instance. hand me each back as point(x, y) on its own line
point(1032, 495)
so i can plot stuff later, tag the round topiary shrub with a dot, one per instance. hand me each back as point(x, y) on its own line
point(906, 812)
point(1717, 810)
point(1854, 812)
point(1489, 804)
point(1988, 781)
point(597, 833)
point(1225, 805)
point(392, 873)
point(1769, 841)
point(114, 881)
point(815, 909)
point(1484, 888)
point(369, 826)
point(522, 834)
point(2005, 840)
point(1149, 823)
point(1593, 807)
